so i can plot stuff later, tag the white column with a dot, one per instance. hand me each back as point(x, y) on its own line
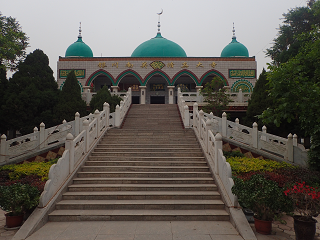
point(106, 107)
point(77, 124)
point(199, 96)
point(171, 94)
point(117, 117)
point(70, 147)
point(290, 148)
point(42, 135)
point(224, 124)
point(254, 135)
point(143, 94)
point(3, 148)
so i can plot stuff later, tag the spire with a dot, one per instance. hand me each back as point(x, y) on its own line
point(159, 20)
point(234, 33)
point(80, 31)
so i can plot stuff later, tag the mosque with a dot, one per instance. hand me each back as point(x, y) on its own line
point(156, 68)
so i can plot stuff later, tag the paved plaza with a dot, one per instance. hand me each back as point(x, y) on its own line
point(151, 230)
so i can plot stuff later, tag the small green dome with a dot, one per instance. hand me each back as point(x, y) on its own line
point(159, 47)
point(79, 49)
point(235, 49)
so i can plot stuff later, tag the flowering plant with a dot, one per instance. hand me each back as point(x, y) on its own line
point(306, 200)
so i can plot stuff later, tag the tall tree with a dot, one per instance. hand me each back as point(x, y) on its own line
point(216, 97)
point(102, 96)
point(295, 90)
point(296, 21)
point(31, 95)
point(70, 100)
point(13, 42)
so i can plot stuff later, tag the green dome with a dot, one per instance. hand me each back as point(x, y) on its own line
point(79, 49)
point(159, 47)
point(235, 49)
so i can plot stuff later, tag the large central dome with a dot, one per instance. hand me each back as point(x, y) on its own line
point(159, 47)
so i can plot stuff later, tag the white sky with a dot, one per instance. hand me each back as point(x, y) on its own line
point(115, 28)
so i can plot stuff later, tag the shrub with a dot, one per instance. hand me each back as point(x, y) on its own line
point(233, 154)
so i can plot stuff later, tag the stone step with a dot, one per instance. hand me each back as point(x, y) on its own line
point(145, 168)
point(139, 204)
point(144, 163)
point(141, 195)
point(156, 145)
point(143, 181)
point(145, 159)
point(144, 174)
point(149, 154)
point(139, 215)
point(147, 150)
point(141, 187)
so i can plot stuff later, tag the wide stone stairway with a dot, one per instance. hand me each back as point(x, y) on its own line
point(152, 169)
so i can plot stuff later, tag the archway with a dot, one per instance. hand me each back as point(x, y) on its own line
point(157, 90)
point(130, 80)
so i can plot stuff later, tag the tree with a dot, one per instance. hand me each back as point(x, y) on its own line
point(296, 21)
point(30, 96)
point(70, 100)
point(216, 96)
point(295, 90)
point(102, 96)
point(13, 42)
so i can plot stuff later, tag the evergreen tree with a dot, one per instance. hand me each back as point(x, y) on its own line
point(70, 100)
point(102, 96)
point(216, 97)
point(31, 95)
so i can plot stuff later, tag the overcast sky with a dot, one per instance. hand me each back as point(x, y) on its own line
point(115, 28)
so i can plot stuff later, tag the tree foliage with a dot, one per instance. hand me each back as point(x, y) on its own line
point(13, 42)
point(102, 96)
point(216, 96)
point(295, 90)
point(70, 100)
point(30, 96)
point(296, 21)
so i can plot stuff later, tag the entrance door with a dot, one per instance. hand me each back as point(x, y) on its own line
point(157, 99)
point(135, 99)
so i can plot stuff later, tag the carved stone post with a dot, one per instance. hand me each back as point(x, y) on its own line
point(237, 123)
point(3, 149)
point(217, 146)
point(70, 147)
point(290, 148)
point(42, 135)
point(201, 113)
point(186, 116)
point(195, 109)
point(117, 117)
point(254, 135)
point(224, 124)
point(97, 116)
point(207, 141)
point(86, 128)
point(106, 107)
point(76, 124)
point(295, 140)
point(264, 130)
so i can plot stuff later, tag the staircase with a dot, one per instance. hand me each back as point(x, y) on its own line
point(152, 169)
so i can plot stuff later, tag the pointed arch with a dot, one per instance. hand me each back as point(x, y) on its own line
point(129, 72)
point(215, 72)
point(157, 72)
point(185, 72)
point(89, 81)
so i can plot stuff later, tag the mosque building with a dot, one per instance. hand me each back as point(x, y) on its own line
point(156, 68)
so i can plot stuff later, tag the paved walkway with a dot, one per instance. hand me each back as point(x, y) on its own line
point(160, 230)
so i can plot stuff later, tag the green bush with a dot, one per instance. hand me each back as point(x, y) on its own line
point(233, 154)
point(264, 197)
point(244, 165)
point(18, 171)
point(18, 198)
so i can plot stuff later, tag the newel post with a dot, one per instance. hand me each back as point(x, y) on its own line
point(208, 127)
point(217, 146)
point(106, 108)
point(86, 128)
point(186, 116)
point(295, 140)
point(264, 130)
point(70, 147)
point(96, 116)
point(42, 135)
point(290, 148)
point(77, 124)
point(224, 124)
point(237, 121)
point(3, 149)
point(201, 113)
point(254, 135)
point(194, 111)
point(117, 117)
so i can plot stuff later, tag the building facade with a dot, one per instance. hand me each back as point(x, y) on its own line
point(156, 68)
